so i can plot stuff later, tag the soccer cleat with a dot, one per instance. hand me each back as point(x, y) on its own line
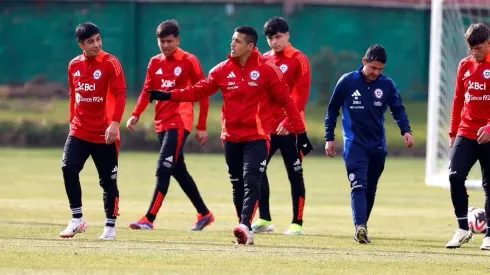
point(202, 221)
point(143, 224)
point(74, 226)
point(485, 245)
point(295, 229)
point(243, 235)
point(108, 234)
point(262, 226)
point(360, 235)
point(460, 237)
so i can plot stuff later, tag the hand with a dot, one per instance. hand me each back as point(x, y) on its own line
point(408, 139)
point(451, 141)
point(201, 137)
point(158, 95)
point(483, 134)
point(282, 131)
point(132, 121)
point(304, 144)
point(111, 132)
point(330, 148)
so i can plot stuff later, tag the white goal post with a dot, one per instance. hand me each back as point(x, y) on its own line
point(449, 21)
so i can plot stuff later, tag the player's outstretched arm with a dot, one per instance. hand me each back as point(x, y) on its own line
point(333, 111)
point(400, 115)
point(201, 89)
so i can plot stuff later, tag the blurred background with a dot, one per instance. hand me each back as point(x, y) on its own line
point(38, 40)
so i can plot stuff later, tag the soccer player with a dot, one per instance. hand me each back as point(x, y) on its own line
point(296, 69)
point(364, 96)
point(248, 83)
point(469, 131)
point(173, 68)
point(97, 101)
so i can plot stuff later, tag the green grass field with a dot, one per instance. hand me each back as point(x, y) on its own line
point(57, 111)
point(409, 225)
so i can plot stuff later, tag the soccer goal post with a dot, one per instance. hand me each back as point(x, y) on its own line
point(449, 21)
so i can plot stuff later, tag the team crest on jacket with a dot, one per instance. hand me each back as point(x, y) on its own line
point(283, 68)
point(97, 74)
point(177, 71)
point(254, 75)
point(378, 93)
point(486, 74)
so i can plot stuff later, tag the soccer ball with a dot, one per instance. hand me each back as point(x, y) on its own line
point(476, 220)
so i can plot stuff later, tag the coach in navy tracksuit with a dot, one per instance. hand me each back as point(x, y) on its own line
point(364, 96)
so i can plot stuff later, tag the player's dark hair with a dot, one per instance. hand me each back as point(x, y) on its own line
point(250, 34)
point(86, 30)
point(376, 52)
point(275, 25)
point(168, 27)
point(477, 34)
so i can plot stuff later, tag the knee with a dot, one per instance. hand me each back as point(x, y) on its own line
point(69, 170)
point(164, 167)
point(456, 181)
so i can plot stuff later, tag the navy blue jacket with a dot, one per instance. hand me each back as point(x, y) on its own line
point(363, 106)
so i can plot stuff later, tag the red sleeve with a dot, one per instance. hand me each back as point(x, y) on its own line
point(117, 87)
point(198, 91)
point(195, 76)
point(144, 98)
point(458, 103)
point(279, 91)
point(302, 83)
point(71, 94)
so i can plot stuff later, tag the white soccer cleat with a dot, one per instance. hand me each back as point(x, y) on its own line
point(262, 226)
point(485, 245)
point(460, 237)
point(108, 234)
point(243, 235)
point(74, 226)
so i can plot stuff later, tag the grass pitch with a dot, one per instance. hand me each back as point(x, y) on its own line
point(409, 225)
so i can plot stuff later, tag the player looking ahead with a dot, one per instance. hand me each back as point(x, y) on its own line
point(469, 131)
point(97, 101)
point(248, 83)
point(296, 69)
point(364, 96)
point(172, 68)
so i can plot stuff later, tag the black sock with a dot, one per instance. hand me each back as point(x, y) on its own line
point(76, 213)
point(463, 223)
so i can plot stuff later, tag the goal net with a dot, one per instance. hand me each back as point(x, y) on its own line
point(449, 21)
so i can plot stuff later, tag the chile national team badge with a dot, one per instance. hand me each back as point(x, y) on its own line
point(378, 93)
point(254, 75)
point(486, 74)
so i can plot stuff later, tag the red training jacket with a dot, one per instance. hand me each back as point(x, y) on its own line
point(177, 71)
point(247, 93)
point(97, 95)
point(296, 69)
point(471, 102)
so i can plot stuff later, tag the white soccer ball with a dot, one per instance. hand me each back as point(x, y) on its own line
point(476, 220)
